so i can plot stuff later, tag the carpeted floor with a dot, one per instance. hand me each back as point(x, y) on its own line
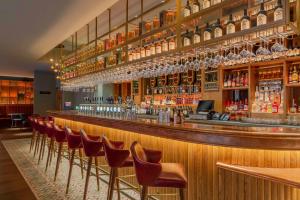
point(42, 183)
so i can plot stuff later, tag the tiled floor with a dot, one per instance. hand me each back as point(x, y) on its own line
point(42, 183)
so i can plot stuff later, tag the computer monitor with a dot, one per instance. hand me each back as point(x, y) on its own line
point(205, 106)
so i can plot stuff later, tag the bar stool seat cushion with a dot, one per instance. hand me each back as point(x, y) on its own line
point(172, 175)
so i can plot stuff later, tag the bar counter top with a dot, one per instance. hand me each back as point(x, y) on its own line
point(257, 137)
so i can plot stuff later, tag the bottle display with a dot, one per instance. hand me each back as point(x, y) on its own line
point(294, 73)
point(197, 35)
point(245, 21)
point(187, 9)
point(230, 26)
point(278, 12)
point(218, 32)
point(195, 7)
point(206, 4)
point(234, 79)
point(261, 16)
point(269, 97)
point(207, 33)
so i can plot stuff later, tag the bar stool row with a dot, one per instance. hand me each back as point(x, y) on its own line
point(149, 170)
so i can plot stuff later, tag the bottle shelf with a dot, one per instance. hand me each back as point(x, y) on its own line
point(236, 88)
point(293, 85)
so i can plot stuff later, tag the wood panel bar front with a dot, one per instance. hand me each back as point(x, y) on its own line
point(205, 180)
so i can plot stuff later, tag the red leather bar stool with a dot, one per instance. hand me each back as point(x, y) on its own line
point(33, 126)
point(74, 143)
point(43, 136)
point(117, 157)
point(38, 134)
point(50, 133)
point(60, 139)
point(37, 138)
point(93, 149)
point(150, 172)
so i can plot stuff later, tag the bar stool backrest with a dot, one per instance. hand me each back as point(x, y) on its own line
point(143, 167)
point(74, 138)
point(91, 145)
point(114, 152)
point(60, 135)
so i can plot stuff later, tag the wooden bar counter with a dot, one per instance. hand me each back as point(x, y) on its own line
point(200, 146)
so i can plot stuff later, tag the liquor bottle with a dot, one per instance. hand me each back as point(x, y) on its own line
point(148, 51)
point(278, 12)
point(196, 6)
point(158, 47)
point(245, 22)
point(207, 33)
point(293, 108)
point(218, 32)
point(225, 81)
point(130, 55)
point(246, 105)
point(186, 38)
point(187, 9)
point(290, 75)
point(152, 49)
point(230, 27)
point(229, 81)
point(172, 44)
point(261, 16)
point(205, 4)
point(138, 53)
point(165, 45)
point(197, 35)
point(295, 77)
point(143, 52)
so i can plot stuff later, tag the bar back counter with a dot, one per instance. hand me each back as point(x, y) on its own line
point(199, 147)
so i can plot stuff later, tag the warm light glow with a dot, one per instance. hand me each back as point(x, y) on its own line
point(55, 70)
point(52, 67)
point(51, 60)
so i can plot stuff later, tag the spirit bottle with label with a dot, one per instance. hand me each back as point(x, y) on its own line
point(262, 16)
point(218, 32)
point(295, 77)
point(165, 45)
point(172, 44)
point(196, 6)
point(278, 12)
point(230, 27)
point(197, 35)
point(186, 38)
point(205, 4)
point(187, 9)
point(245, 22)
point(207, 32)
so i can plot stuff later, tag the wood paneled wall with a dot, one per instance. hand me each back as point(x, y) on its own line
point(205, 180)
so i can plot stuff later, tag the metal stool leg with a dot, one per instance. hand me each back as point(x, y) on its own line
point(50, 149)
point(111, 184)
point(32, 140)
point(97, 173)
point(144, 193)
point(41, 148)
point(37, 144)
point(70, 170)
point(58, 160)
point(181, 192)
point(81, 161)
point(88, 171)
